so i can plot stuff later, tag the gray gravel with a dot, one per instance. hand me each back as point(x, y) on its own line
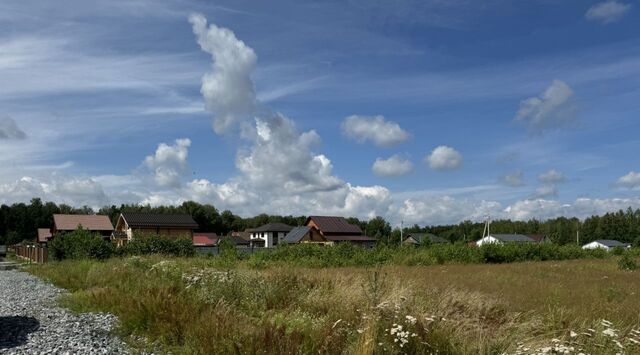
point(32, 323)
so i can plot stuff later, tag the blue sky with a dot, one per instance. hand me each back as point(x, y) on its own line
point(423, 111)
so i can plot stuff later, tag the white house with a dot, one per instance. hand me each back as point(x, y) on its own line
point(268, 235)
point(504, 238)
point(606, 244)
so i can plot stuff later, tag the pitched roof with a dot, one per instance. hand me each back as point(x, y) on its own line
point(419, 237)
point(272, 227)
point(512, 238)
point(205, 239)
point(537, 237)
point(43, 235)
point(350, 238)
point(296, 234)
point(611, 243)
point(137, 220)
point(68, 222)
point(337, 225)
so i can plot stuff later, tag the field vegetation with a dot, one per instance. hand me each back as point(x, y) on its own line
point(321, 300)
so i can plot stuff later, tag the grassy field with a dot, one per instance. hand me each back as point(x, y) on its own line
point(202, 306)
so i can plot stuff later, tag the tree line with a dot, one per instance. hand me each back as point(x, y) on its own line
point(20, 221)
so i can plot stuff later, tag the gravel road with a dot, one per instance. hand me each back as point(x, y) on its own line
point(32, 323)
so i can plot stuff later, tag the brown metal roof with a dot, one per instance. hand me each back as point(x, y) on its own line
point(334, 225)
point(69, 222)
point(43, 235)
point(155, 220)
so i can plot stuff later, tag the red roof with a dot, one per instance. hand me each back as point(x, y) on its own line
point(43, 235)
point(334, 225)
point(537, 237)
point(69, 222)
point(205, 239)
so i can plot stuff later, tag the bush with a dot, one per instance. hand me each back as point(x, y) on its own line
point(154, 244)
point(80, 244)
point(627, 263)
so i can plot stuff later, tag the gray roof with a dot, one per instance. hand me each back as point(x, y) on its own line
point(296, 234)
point(512, 238)
point(272, 227)
point(611, 243)
point(419, 237)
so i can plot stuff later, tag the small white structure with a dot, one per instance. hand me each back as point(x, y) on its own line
point(504, 238)
point(268, 235)
point(606, 244)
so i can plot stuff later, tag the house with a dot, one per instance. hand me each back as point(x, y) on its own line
point(419, 238)
point(268, 235)
point(305, 234)
point(152, 223)
point(606, 244)
point(339, 230)
point(97, 224)
point(44, 234)
point(205, 239)
point(538, 238)
point(504, 238)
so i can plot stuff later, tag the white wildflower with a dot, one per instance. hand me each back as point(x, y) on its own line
point(573, 334)
point(610, 332)
point(411, 320)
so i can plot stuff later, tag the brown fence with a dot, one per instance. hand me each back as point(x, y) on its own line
point(34, 253)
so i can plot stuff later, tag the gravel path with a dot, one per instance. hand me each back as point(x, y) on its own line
point(32, 323)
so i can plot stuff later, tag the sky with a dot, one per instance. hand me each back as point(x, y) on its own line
point(422, 112)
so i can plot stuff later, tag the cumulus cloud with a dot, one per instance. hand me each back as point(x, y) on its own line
point(75, 191)
point(169, 162)
point(607, 11)
point(514, 179)
point(554, 108)
point(10, 130)
point(444, 158)
point(376, 129)
point(394, 166)
point(552, 177)
point(629, 181)
point(228, 90)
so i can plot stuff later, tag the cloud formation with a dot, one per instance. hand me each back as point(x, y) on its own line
point(546, 191)
point(228, 90)
point(10, 130)
point(169, 162)
point(514, 179)
point(552, 177)
point(376, 129)
point(607, 11)
point(394, 166)
point(444, 158)
point(554, 108)
point(629, 181)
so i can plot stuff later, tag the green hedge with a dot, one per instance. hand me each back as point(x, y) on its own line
point(143, 244)
point(80, 244)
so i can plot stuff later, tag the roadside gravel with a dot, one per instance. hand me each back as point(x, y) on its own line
point(32, 323)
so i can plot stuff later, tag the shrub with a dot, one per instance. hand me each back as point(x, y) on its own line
point(80, 244)
point(627, 263)
point(154, 244)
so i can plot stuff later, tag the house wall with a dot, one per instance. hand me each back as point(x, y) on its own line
point(170, 232)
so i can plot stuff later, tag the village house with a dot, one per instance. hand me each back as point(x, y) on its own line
point(97, 224)
point(174, 225)
point(44, 234)
point(606, 244)
point(504, 238)
point(420, 238)
point(268, 235)
point(339, 230)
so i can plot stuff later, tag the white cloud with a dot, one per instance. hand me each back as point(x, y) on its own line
point(554, 108)
point(10, 130)
point(75, 191)
point(394, 166)
point(376, 129)
point(514, 179)
point(546, 191)
point(228, 91)
point(552, 177)
point(444, 158)
point(169, 162)
point(607, 11)
point(630, 181)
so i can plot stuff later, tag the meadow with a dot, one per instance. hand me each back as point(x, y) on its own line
point(275, 304)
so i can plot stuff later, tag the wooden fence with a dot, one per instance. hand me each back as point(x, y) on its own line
point(35, 253)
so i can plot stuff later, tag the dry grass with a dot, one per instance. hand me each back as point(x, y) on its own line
point(193, 306)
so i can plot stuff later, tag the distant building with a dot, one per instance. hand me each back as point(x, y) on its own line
point(155, 224)
point(606, 244)
point(420, 238)
point(538, 238)
point(268, 235)
point(339, 230)
point(305, 234)
point(205, 239)
point(44, 234)
point(504, 238)
point(97, 224)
